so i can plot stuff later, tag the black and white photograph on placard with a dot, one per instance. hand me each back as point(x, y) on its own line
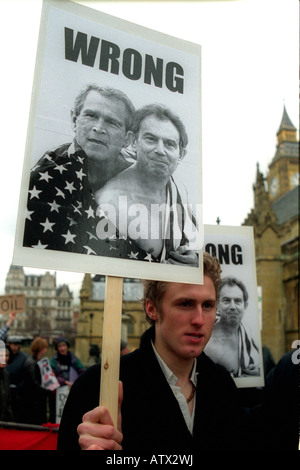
point(112, 177)
point(235, 342)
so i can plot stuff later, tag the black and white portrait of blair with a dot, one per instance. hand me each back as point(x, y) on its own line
point(115, 151)
point(235, 342)
point(232, 343)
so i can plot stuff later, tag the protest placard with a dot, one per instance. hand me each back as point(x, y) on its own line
point(61, 396)
point(12, 303)
point(48, 379)
point(112, 178)
point(236, 341)
point(69, 218)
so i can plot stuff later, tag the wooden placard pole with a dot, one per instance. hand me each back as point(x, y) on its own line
point(111, 342)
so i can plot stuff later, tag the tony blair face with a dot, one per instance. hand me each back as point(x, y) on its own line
point(157, 146)
point(231, 305)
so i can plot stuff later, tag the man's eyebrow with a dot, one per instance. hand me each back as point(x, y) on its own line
point(113, 119)
point(89, 110)
point(231, 297)
point(169, 139)
point(149, 133)
point(192, 299)
point(183, 299)
point(105, 117)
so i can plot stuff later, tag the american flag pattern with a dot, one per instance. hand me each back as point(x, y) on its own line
point(62, 213)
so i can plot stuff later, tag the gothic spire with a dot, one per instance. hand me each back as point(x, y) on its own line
point(286, 123)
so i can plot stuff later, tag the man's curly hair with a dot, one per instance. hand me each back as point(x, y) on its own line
point(154, 290)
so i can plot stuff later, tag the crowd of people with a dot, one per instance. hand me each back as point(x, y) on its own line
point(185, 398)
point(25, 396)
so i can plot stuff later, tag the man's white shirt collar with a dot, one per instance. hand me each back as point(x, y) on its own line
point(170, 376)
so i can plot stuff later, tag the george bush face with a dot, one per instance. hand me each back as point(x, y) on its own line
point(100, 128)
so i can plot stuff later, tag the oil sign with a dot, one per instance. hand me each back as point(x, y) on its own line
point(12, 303)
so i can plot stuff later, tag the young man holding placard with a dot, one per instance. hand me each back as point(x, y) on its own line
point(172, 395)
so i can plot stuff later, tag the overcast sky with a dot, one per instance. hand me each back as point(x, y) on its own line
point(250, 68)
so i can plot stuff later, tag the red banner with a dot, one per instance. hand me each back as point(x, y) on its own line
point(16, 439)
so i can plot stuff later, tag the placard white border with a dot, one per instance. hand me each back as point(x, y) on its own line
point(46, 87)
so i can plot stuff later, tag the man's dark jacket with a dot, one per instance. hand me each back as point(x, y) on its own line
point(151, 417)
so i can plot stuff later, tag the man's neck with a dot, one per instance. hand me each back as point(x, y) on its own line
point(100, 172)
point(230, 329)
point(181, 368)
point(149, 184)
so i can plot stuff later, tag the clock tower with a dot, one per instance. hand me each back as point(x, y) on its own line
point(284, 168)
point(275, 220)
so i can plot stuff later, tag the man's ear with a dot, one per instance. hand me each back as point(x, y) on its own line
point(151, 310)
point(133, 142)
point(73, 120)
point(129, 139)
point(183, 153)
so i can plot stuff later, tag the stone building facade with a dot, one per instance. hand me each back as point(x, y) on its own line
point(90, 322)
point(275, 219)
point(49, 309)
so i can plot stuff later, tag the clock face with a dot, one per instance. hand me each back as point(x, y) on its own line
point(274, 186)
point(295, 179)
